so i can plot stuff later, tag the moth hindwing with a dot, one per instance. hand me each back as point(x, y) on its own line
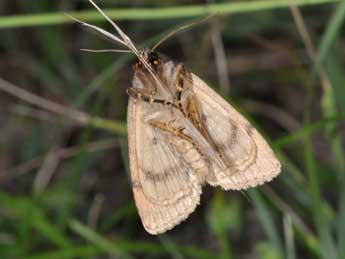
point(183, 135)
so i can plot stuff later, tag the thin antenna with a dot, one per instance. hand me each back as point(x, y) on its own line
point(125, 40)
point(100, 30)
point(183, 27)
point(129, 44)
point(107, 50)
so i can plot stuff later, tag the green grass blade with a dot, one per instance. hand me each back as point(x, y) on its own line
point(267, 221)
point(289, 237)
point(333, 98)
point(47, 229)
point(220, 219)
point(94, 238)
point(153, 13)
point(325, 56)
point(83, 251)
point(305, 131)
point(99, 80)
point(74, 251)
point(123, 247)
point(157, 249)
point(327, 244)
point(329, 107)
point(116, 127)
point(34, 217)
point(341, 226)
point(171, 247)
point(329, 36)
point(118, 215)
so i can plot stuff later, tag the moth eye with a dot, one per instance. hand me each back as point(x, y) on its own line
point(153, 58)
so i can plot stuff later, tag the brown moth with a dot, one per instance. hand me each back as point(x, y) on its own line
point(183, 135)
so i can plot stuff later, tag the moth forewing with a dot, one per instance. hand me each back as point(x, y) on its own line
point(250, 161)
point(165, 192)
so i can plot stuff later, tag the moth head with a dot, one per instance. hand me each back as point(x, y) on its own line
point(152, 58)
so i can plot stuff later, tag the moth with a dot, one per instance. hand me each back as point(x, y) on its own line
point(183, 135)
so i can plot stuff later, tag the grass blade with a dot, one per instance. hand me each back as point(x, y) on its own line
point(153, 13)
point(289, 237)
point(72, 252)
point(94, 238)
point(267, 221)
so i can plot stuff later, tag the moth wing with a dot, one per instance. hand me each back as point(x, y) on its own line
point(249, 159)
point(165, 191)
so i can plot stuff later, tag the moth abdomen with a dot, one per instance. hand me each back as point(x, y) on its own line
point(193, 157)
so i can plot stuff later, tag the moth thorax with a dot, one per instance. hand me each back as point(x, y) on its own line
point(193, 158)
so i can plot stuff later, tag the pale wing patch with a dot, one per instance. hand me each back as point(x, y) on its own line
point(165, 191)
point(249, 159)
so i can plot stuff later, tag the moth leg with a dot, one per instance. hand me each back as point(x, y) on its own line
point(147, 97)
point(167, 127)
point(190, 108)
point(192, 112)
point(179, 83)
point(186, 99)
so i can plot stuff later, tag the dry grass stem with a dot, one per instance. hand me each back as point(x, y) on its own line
point(303, 31)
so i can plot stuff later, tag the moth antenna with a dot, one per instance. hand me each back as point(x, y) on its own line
point(182, 28)
point(124, 37)
point(100, 30)
point(125, 40)
point(107, 50)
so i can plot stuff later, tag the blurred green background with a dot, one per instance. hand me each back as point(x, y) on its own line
point(64, 181)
